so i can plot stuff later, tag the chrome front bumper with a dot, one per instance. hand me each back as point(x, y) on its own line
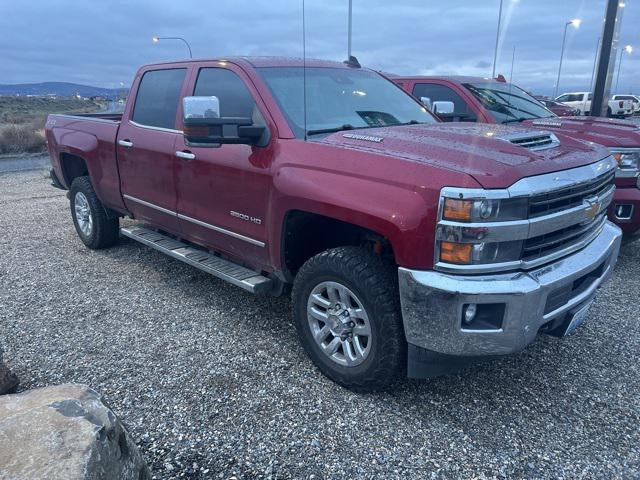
point(432, 302)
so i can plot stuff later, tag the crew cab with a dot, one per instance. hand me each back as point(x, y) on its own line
point(409, 246)
point(483, 100)
point(581, 101)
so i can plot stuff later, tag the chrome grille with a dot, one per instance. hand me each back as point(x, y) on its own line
point(565, 198)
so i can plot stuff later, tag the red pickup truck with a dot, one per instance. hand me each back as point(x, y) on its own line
point(410, 246)
point(493, 101)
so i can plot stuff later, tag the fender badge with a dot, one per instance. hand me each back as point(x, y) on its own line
point(366, 138)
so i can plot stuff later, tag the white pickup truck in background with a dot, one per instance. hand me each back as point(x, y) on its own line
point(635, 100)
point(582, 101)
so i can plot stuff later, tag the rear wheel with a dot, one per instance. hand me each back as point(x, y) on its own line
point(94, 227)
point(347, 313)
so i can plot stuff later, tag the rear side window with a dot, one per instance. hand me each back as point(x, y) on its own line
point(234, 96)
point(157, 98)
point(438, 93)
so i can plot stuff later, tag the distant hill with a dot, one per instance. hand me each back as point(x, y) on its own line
point(61, 89)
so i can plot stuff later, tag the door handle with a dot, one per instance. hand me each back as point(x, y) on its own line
point(125, 143)
point(185, 155)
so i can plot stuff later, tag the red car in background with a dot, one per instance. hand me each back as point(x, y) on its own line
point(488, 100)
point(560, 109)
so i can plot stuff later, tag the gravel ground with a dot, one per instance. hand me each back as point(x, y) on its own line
point(213, 383)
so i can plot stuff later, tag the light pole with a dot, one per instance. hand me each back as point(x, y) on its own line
point(575, 23)
point(349, 31)
point(157, 39)
point(495, 50)
point(628, 49)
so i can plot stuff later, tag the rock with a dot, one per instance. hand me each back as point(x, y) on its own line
point(65, 432)
point(8, 381)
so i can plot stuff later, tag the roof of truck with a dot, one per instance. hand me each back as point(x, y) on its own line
point(262, 62)
point(453, 78)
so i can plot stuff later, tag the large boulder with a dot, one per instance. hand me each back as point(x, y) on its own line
point(8, 381)
point(65, 432)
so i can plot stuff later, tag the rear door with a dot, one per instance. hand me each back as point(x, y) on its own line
point(223, 190)
point(145, 147)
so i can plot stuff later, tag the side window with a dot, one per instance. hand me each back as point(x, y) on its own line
point(563, 98)
point(157, 98)
point(590, 97)
point(234, 96)
point(439, 93)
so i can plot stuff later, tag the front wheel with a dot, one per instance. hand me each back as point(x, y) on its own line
point(346, 310)
point(94, 227)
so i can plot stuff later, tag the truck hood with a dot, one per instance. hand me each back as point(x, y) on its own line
point(605, 131)
point(483, 151)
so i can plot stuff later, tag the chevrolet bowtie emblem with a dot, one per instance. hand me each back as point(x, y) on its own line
point(593, 208)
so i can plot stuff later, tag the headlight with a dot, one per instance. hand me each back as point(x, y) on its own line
point(471, 228)
point(484, 210)
point(628, 162)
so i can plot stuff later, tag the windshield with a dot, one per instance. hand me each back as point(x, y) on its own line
point(340, 99)
point(507, 103)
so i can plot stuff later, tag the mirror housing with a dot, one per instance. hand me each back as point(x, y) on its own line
point(203, 125)
point(443, 107)
point(426, 101)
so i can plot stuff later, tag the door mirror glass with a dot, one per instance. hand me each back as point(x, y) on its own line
point(203, 125)
point(442, 107)
point(426, 101)
point(201, 107)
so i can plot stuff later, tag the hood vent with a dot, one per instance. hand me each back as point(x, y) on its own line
point(534, 140)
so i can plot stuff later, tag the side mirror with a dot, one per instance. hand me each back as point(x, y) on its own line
point(203, 125)
point(443, 107)
point(426, 101)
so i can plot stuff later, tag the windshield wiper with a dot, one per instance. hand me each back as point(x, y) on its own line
point(346, 126)
point(512, 120)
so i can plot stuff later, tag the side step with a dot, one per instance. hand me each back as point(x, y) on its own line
point(207, 262)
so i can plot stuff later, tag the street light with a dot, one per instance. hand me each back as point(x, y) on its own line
point(575, 23)
point(629, 50)
point(157, 39)
point(495, 50)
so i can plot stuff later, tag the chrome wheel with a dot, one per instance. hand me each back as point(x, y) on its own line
point(339, 323)
point(83, 214)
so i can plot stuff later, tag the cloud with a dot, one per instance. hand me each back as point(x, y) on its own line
point(103, 43)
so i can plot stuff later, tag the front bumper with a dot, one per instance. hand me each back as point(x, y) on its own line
point(433, 302)
point(624, 210)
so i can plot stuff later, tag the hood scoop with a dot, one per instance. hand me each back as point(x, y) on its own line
point(533, 140)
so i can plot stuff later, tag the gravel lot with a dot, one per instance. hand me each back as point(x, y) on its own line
point(212, 382)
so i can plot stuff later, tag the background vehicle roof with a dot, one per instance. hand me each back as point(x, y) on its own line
point(454, 78)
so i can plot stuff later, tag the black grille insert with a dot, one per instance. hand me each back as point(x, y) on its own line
point(565, 198)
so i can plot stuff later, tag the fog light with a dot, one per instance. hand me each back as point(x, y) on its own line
point(470, 313)
point(623, 212)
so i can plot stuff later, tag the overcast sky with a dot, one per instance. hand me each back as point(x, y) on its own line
point(102, 42)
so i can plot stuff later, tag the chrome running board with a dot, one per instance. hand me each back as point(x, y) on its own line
point(218, 267)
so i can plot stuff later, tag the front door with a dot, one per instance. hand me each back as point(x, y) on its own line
point(146, 148)
point(223, 190)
